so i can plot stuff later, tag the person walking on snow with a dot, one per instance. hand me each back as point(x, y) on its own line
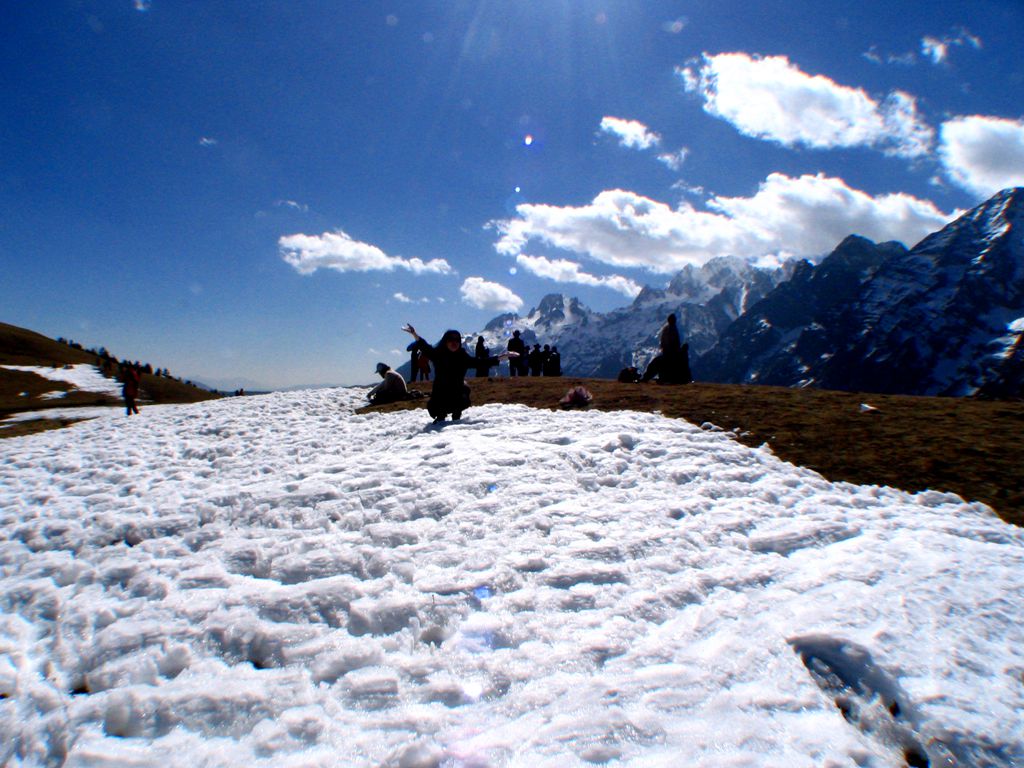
point(130, 388)
point(449, 393)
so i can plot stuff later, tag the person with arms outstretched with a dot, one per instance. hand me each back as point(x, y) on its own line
point(449, 395)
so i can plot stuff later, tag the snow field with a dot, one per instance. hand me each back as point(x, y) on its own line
point(277, 581)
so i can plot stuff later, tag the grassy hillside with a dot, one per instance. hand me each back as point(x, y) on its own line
point(969, 447)
point(20, 390)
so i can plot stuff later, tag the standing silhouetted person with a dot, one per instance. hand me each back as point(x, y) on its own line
point(536, 360)
point(483, 369)
point(672, 366)
point(517, 365)
point(553, 363)
point(414, 361)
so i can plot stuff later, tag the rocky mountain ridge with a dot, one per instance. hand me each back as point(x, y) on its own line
point(943, 318)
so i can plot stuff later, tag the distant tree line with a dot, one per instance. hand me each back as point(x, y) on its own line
point(111, 366)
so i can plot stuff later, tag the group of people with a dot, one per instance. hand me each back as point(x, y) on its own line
point(546, 361)
point(533, 362)
point(451, 362)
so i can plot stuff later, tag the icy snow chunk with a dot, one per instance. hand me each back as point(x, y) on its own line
point(332, 664)
point(243, 637)
point(570, 574)
point(421, 754)
point(790, 536)
point(137, 669)
point(380, 617)
point(372, 688)
point(308, 566)
point(447, 690)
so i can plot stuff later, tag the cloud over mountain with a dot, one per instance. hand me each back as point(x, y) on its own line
point(803, 216)
point(483, 294)
point(983, 154)
point(565, 271)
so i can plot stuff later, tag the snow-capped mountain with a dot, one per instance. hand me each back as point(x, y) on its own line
point(706, 300)
point(944, 318)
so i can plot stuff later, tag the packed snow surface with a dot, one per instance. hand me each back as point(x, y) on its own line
point(276, 581)
point(83, 376)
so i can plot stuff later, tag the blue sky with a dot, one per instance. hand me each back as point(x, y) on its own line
point(264, 192)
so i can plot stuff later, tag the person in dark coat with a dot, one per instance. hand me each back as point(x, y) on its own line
point(131, 379)
point(536, 360)
point(517, 365)
point(672, 366)
point(414, 361)
point(483, 369)
point(553, 363)
point(450, 393)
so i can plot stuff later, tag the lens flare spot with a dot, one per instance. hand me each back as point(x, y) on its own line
point(528, 139)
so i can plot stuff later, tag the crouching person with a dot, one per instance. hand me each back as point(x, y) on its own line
point(391, 389)
point(450, 393)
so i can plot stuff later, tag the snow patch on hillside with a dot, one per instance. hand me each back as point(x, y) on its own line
point(83, 376)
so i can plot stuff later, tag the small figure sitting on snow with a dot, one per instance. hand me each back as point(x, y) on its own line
point(391, 389)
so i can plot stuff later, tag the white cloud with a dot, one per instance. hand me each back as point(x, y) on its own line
point(674, 160)
point(804, 216)
point(142, 5)
point(484, 294)
point(630, 133)
point(770, 98)
point(336, 250)
point(937, 48)
point(206, 141)
point(983, 154)
point(302, 207)
point(402, 298)
point(564, 271)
